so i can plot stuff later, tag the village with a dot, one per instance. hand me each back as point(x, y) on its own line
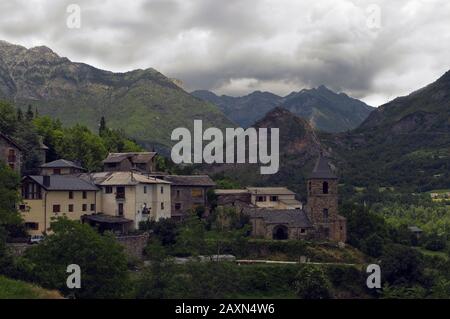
point(130, 191)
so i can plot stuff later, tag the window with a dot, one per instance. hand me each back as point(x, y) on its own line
point(162, 189)
point(56, 208)
point(108, 190)
point(84, 194)
point(120, 209)
point(92, 207)
point(309, 187)
point(12, 156)
point(260, 198)
point(196, 192)
point(302, 230)
point(325, 215)
point(70, 195)
point(70, 208)
point(178, 193)
point(145, 189)
point(22, 207)
point(56, 171)
point(84, 207)
point(120, 192)
point(32, 226)
point(274, 198)
point(325, 187)
point(31, 191)
point(162, 205)
point(177, 206)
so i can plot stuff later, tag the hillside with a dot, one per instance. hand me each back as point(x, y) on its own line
point(14, 289)
point(405, 142)
point(299, 149)
point(324, 109)
point(144, 103)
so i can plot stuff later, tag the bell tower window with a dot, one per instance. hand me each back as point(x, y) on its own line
point(325, 187)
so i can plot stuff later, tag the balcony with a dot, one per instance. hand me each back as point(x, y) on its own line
point(120, 196)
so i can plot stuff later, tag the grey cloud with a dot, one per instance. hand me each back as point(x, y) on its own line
point(238, 46)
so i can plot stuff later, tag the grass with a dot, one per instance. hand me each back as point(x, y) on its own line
point(427, 252)
point(14, 289)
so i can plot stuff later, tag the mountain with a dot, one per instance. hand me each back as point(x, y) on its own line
point(404, 143)
point(323, 108)
point(245, 110)
point(144, 103)
point(299, 149)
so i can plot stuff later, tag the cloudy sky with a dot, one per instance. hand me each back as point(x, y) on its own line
point(373, 50)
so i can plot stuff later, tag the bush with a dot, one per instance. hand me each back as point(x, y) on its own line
point(312, 283)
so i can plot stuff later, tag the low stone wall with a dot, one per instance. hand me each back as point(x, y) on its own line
point(134, 245)
point(17, 249)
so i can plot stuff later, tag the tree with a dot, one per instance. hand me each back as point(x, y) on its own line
point(373, 245)
point(8, 118)
point(402, 265)
point(29, 115)
point(191, 237)
point(102, 127)
point(312, 283)
point(100, 257)
point(9, 196)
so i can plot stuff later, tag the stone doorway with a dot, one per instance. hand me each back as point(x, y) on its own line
point(280, 232)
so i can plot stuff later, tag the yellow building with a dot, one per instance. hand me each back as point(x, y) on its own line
point(47, 197)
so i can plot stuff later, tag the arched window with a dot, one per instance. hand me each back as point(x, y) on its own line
point(280, 232)
point(309, 187)
point(325, 187)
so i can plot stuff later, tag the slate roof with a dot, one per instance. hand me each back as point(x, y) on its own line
point(62, 163)
point(64, 183)
point(135, 157)
point(270, 191)
point(290, 217)
point(190, 180)
point(322, 170)
point(107, 219)
point(11, 141)
point(128, 178)
point(415, 229)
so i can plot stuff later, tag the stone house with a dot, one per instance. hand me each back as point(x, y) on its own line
point(144, 162)
point(61, 167)
point(188, 192)
point(10, 152)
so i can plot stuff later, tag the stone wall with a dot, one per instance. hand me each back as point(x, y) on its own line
point(17, 249)
point(134, 245)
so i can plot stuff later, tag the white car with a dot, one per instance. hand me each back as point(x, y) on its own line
point(36, 239)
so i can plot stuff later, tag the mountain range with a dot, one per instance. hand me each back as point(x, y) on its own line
point(324, 109)
point(144, 103)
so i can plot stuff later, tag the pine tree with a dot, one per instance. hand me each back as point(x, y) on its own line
point(102, 126)
point(29, 115)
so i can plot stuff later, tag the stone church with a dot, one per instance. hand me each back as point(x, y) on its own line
point(319, 219)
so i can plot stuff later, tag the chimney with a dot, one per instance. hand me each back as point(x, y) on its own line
point(46, 180)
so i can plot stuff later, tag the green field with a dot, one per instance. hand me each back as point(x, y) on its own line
point(14, 289)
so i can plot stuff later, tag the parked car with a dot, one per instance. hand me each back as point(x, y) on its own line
point(36, 239)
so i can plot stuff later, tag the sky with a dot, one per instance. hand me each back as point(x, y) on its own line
point(371, 50)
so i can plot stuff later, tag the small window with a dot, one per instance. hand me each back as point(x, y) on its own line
point(302, 230)
point(70, 208)
point(32, 226)
point(145, 189)
point(56, 208)
point(22, 207)
point(162, 205)
point(56, 171)
point(70, 195)
point(162, 189)
point(108, 190)
point(260, 198)
point(92, 207)
point(325, 187)
point(84, 207)
point(177, 206)
point(197, 192)
point(178, 193)
point(84, 194)
point(274, 198)
point(325, 215)
point(120, 209)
